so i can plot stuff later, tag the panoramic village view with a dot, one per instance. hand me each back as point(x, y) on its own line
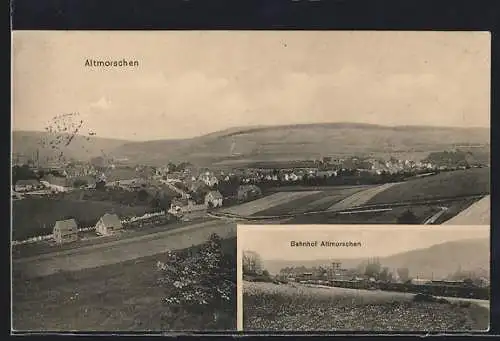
point(128, 183)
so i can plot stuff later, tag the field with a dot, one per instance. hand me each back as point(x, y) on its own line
point(317, 201)
point(120, 250)
point(360, 198)
point(454, 188)
point(474, 181)
point(119, 297)
point(264, 203)
point(32, 217)
point(267, 306)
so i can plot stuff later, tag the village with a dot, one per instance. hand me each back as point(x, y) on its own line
point(185, 192)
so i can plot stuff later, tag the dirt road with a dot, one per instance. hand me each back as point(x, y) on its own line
point(121, 250)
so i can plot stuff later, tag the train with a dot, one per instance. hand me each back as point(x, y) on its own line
point(459, 289)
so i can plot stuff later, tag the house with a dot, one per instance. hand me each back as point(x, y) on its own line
point(108, 224)
point(27, 185)
point(209, 179)
point(248, 192)
point(184, 205)
point(214, 199)
point(65, 231)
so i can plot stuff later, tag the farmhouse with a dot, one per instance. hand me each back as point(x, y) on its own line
point(108, 224)
point(213, 199)
point(65, 231)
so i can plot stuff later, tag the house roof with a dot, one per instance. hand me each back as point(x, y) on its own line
point(215, 194)
point(66, 225)
point(111, 220)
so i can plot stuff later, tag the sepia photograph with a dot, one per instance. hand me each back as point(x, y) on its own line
point(363, 278)
point(135, 155)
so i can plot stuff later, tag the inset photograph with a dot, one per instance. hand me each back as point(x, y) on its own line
point(364, 278)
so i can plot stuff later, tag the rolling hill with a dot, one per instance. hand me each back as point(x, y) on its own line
point(437, 261)
point(80, 148)
point(303, 142)
point(289, 142)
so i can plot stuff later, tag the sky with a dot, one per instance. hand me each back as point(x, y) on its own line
point(273, 242)
point(190, 83)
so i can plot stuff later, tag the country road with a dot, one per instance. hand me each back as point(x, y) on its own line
point(121, 250)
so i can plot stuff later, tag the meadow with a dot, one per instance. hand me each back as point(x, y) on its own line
point(252, 207)
point(268, 306)
point(454, 184)
point(317, 201)
point(120, 297)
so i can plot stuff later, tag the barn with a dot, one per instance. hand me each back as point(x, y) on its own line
point(108, 224)
point(65, 231)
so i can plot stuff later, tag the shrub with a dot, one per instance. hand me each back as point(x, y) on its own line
point(198, 282)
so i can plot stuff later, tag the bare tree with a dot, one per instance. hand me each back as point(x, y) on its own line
point(252, 262)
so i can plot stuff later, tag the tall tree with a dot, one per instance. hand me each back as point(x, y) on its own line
point(252, 263)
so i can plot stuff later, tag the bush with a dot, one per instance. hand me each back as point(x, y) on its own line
point(200, 281)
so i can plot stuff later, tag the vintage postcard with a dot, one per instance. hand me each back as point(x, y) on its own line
point(136, 154)
point(363, 278)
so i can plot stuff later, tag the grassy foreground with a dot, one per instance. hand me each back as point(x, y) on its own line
point(119, 297)
point(268, 306)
